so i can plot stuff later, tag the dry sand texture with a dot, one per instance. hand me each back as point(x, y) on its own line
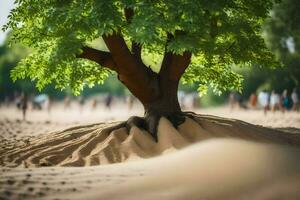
point(229, 159)
point(213, 169)
point(94, 144)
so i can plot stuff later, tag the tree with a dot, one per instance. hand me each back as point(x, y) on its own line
point(9, 57)
point(195, 40)
point(282, 33)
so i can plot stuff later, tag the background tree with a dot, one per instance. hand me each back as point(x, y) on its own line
point(282, 33)
point(9, 57)
point(200, 39)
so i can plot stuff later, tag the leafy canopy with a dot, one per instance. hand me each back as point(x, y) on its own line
point(218, 33)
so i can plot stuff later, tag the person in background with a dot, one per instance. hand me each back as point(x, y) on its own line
point(24, 104)
point(181, 97)
point(48, 104)
point(129, 100)
point(295, 100)
point(17, 99)
point(239, 101)
point(108, 101)
point(67, 103)
point(275, 101)
point(81, 103)
point(231, 100)
point(286, 101)
point(263, 99)
point(94, 104)
point(253, 100)
point(6, 101)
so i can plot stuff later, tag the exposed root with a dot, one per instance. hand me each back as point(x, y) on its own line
point(150, 123)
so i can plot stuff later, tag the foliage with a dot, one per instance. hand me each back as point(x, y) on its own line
point(218, 33)
point(282, 33)
point(11, 55)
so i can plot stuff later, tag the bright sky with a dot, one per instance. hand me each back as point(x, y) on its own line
point(5, 7)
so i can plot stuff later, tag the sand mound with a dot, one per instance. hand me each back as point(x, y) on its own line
point(95, 145)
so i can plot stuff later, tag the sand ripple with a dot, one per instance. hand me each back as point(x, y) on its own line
point(94, 145)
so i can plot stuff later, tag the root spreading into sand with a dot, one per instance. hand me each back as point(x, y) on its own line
point(222, 159)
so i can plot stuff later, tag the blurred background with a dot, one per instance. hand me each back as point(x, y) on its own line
point(272, 94)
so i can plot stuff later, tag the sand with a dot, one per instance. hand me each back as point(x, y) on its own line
point(205, 158)
point(214, 169)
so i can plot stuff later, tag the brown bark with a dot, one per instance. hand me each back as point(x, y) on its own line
point(172, 68)
point(157, 92)
point(138, 78)
point(167, 104)
point(103, 58)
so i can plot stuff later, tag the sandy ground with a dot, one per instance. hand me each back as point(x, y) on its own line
point(207, 167)
point(210, 170)
point(40, 122)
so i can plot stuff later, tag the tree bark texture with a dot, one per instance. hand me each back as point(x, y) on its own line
point(156, 91)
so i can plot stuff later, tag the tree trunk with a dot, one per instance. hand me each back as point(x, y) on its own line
point(156, 91)
point(165, 104)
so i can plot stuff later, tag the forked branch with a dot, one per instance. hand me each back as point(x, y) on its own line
point(179, 64)
point(134, 74)
point(174, 65)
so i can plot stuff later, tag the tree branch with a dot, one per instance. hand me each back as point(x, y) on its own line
point(121, 54)
point(167, 56)
point(136, 48)
point(173, 65)
point(103, 58)
point(179, 64)
point(135, 75)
